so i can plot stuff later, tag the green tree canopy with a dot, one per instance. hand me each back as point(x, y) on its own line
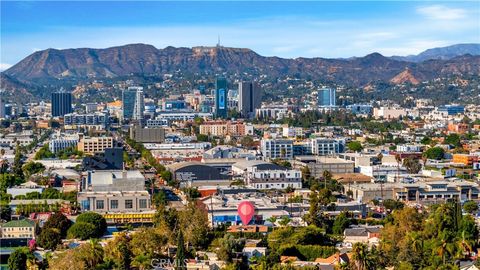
point(355, 146)
point(470, 207)
point(49, 238)
point(58, 221)
point(82, 231)
point(434, 153)
point(97, 220)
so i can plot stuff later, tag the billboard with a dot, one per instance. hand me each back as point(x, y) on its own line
point(221, 99)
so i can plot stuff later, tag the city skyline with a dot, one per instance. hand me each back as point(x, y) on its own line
point(311, 29)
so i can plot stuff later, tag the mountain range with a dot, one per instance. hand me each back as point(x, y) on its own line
point(443, 53)
point(54, 65)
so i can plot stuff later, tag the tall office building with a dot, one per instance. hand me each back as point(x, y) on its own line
point(221, 92)
point(326, 97)
point(139, 105)
point(61, 103)
point(132, 103)
point(249, 98)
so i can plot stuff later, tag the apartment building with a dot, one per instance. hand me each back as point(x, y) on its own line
point(91, 145)
point(224, 128)
point(114, 191)
point(277, 148)
point(326, 146)
point(18, 229)
point(317, 165)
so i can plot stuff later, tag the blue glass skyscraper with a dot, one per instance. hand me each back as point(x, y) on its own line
point(128, 103)
point(326, 97)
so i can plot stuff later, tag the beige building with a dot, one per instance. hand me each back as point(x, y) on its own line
point(317, 165)
point(18, 229)
point(115, 201)
point(95, 144)
point(224, 128)
point(389, 112)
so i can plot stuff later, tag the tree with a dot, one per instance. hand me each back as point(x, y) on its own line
point(58, 221)
point(82, 231)
point(355, 146)
point(91, 253)
point(148, 242)
point(167, 176)
point(32, 168)
point(361, 257)
point(393, 204)
point(226, 246)
point(341, 223)
point(325, 197)
point(193, 223)
point(17, 162)
point(97, 220)
point(453, 139)
point(470, 207)
point(180, 255)
point(5, 212)
point(160, 198)
point(118, 251)
point(191, 192)
point(284, 221)
point(202, 138)
point(412, 165)
point(434, 153)
point(247, 141)
point(17, 260)
point(49, 238)
point(426, 140)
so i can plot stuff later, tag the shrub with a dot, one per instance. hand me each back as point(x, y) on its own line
point(82, 231)
point(49, 238)
point(97, 220)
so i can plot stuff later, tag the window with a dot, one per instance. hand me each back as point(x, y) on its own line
point(85, 204)
point(113, 204)
point(128, 204)
point(100, 204)
point(143, 203)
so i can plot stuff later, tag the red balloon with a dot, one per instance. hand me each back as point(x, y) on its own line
point(246, 210)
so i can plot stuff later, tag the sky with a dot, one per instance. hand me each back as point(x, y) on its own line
point(286, 29)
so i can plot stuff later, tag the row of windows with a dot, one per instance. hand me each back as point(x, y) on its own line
point(18, 229)
point(17, 236)
point(100, 204)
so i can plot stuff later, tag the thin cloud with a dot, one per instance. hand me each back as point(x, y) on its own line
point(439, 12)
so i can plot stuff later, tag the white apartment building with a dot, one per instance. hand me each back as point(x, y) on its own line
point(292, 132)
point(409, 148)
point(325, 146)
point(274, 179)
point(277, 148)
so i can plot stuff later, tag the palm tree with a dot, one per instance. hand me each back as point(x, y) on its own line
point(93, 253)
point(361, 257)
point(398, 158)
point(272, 219)
point(327, 176)
point(141, 262)
point(416, 241)
point(284, 221)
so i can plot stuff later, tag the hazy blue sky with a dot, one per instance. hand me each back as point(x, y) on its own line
point(286, 29)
